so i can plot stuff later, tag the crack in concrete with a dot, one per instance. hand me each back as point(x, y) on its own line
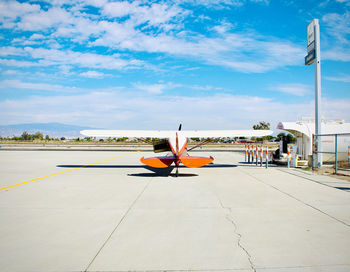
point(239, 240)
point(229, 218)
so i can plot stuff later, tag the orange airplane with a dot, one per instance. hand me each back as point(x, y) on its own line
point(176, 142)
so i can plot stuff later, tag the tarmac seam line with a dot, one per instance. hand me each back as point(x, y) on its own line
point(225, 269)
point(299, 200)
point(119, 223)
point(319, 182)
point(62, 172)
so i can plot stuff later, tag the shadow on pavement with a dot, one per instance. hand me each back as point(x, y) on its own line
point(155, 172)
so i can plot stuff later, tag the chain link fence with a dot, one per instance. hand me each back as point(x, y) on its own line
point(335, 150)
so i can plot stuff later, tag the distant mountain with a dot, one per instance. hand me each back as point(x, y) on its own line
point(51, 129)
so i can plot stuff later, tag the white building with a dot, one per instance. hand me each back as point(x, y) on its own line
point(305, 128)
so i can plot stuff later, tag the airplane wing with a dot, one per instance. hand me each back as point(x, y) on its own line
point(169, 133)
point(128, 133)
point(225, 133)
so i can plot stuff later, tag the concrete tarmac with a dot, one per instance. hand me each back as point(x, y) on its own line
point(103, 211)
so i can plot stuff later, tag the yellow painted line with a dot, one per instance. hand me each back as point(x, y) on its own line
point(62, 172)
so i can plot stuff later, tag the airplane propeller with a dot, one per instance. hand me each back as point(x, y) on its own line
point(177, 166)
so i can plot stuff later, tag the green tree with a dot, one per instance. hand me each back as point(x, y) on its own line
point(280, 136)
point(290, 138)
point(262, 125)
point(271, 138)
point(26, 136)
point(38, 136)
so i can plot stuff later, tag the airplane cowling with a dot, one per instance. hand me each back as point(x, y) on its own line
point(194, 162)
point(158, 162)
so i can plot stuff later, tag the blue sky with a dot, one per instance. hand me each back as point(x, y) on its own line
point(224, 64)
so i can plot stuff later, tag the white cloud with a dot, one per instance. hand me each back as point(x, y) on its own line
point(155, 28)
point(346, 2)
point(155, 88)
point(343, 78)
point(36, 36)
point(134, 110)
point(243, 52)
point(95, 3)
point(338, 25)
point(17, 84)
point(43, 20)
point(221, 4)
point(53, 57)
point(11, 51)
point(10, 72)
point(18, 63)
point(204, 88)
point(294, 89)
point(337, 36)
point(336, 54)
point(92, 74)
point(13, 9)
point(119, 9)
point(152, 14)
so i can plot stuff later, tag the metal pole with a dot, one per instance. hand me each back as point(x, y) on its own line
point(336, 154)
point(314, 151)
point(318, 92)
point(248, 153)
point(245, 152)
point(267, 156)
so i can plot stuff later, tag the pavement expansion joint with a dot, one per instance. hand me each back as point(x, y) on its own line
point(119, 223)
point(176, 270)
point(297, 173)
point(295, 198)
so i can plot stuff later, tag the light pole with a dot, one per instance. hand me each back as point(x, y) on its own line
point(314, 56)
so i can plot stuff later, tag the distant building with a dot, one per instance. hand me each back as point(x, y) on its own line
point(305, 128)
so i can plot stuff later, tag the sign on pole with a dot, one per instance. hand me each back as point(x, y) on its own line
point(311, 55)
point(314, 56)
point(310, 33)
point(310, 58)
